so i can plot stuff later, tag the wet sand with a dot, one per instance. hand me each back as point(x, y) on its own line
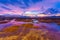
point(19, 30)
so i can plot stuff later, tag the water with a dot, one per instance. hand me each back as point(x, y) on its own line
point(49, 26)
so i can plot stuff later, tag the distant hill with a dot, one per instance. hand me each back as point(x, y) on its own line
point(7, 16)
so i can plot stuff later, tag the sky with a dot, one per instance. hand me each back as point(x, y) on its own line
point(20, 6)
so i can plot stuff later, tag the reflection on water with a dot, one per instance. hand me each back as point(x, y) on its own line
point(16, 30)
